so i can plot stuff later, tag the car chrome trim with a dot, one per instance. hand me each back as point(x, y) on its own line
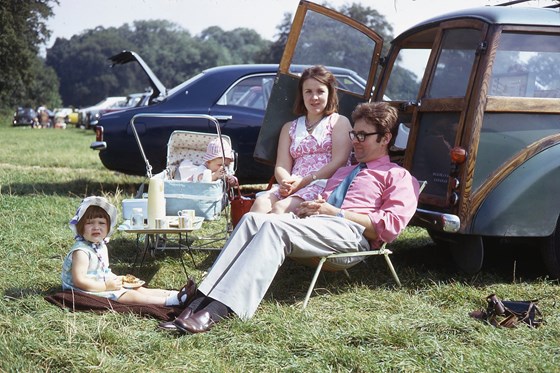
point(98, 145)
point(438, 220)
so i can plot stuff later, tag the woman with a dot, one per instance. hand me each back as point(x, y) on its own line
point(310, 148)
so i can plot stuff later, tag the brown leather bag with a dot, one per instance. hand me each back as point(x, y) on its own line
point(509, 314)
point(240, 205)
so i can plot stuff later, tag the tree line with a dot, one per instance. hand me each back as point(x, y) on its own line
point(76, 71)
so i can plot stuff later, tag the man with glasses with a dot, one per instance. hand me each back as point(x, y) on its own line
point(361, 207)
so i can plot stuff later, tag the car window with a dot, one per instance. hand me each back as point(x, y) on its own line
point(526, 65)
point(436, 137)
point(455, 63)
point(406, 74)
point(251, 92)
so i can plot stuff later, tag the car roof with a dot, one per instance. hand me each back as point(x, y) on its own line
point(494, 15)
point(256, 68)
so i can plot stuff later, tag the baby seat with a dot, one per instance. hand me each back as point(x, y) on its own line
point(208, 199)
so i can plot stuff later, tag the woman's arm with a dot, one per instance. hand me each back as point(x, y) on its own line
point(284, 161)
point(80, 264)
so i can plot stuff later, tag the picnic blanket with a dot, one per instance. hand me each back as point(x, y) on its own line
point(78, 301)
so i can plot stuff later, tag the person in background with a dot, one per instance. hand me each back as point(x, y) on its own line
point(361, 207)
point(86, 266)
point(310, 148)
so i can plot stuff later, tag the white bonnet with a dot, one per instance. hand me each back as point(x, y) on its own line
point(94, 201)
point(214, 150)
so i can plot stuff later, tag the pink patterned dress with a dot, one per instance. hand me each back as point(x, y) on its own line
point(310, 152)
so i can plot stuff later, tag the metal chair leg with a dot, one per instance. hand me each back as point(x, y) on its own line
point(390, 264)
point(313, 281)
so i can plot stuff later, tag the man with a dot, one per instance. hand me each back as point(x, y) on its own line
point(377, 206)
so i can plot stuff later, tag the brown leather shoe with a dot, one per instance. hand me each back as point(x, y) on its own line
point(199, 322)
point(167, 326)
point(189, 290)
point(179, 321)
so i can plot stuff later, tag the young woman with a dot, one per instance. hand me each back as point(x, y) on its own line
point(310, 148)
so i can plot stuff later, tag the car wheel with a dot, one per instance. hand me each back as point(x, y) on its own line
point(550, 251)
point(467, 252)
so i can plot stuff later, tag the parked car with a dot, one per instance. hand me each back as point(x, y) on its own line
point(25, 116)
point(236, 95)
point(132, 100)
point(483, 109)
point(85, 114)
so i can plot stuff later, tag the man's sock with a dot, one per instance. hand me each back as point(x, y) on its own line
point(217, 310)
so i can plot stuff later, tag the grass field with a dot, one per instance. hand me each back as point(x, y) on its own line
point(361, 324)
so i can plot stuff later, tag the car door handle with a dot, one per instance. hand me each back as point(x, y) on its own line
point(223, 118)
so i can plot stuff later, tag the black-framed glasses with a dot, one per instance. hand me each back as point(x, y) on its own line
point(361, 136)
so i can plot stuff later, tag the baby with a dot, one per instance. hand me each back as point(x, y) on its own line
point(215, 166)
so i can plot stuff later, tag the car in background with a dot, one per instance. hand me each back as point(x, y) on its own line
point(25, 116)
point(236, 95)
point(85, 114)
point(132, 100)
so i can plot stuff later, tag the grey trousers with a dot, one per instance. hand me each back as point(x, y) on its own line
point(245, 268)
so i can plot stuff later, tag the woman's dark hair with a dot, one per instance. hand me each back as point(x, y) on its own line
point(92, 212)
point(324, 76)
point(379, 114)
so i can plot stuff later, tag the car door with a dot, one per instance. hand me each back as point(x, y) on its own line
point(318, 36)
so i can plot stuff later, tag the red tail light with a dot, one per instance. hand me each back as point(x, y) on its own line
point(98, 133)
point(458, 155)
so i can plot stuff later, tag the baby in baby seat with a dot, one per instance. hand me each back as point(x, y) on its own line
point(213, 168)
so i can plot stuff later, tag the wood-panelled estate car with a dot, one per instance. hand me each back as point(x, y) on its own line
point(478, 92)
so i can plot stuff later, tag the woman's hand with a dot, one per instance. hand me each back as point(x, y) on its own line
point(288, 186)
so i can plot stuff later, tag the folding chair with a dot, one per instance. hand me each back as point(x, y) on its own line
point(324, 264)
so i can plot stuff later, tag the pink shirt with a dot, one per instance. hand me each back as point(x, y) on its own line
point(384, 191)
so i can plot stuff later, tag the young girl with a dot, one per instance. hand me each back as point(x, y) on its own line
point(86, 266)
point(213, 161)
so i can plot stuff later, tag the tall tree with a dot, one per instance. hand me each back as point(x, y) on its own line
point(23, 30)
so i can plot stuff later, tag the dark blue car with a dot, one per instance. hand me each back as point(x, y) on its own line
point(235, 95)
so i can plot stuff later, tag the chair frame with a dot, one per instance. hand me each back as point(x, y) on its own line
point(383, 250)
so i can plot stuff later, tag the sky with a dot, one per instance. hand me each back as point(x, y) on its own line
point(72, 17)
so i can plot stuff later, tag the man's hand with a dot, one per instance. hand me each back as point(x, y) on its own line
point(316, 207)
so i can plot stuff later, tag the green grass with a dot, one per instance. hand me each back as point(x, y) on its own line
point(361, 324)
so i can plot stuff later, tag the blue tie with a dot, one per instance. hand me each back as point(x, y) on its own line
point(337, 196)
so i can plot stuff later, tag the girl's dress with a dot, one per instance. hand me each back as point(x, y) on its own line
point(310, 152)
point(98, 268)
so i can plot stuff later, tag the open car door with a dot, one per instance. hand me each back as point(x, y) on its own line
point(320, 36)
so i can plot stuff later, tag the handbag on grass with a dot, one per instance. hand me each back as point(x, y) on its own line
point(240, 205)
point(509, 314)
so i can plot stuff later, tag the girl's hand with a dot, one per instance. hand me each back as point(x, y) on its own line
point(114, 283)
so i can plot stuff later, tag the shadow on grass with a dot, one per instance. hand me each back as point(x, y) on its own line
point(79, 187)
